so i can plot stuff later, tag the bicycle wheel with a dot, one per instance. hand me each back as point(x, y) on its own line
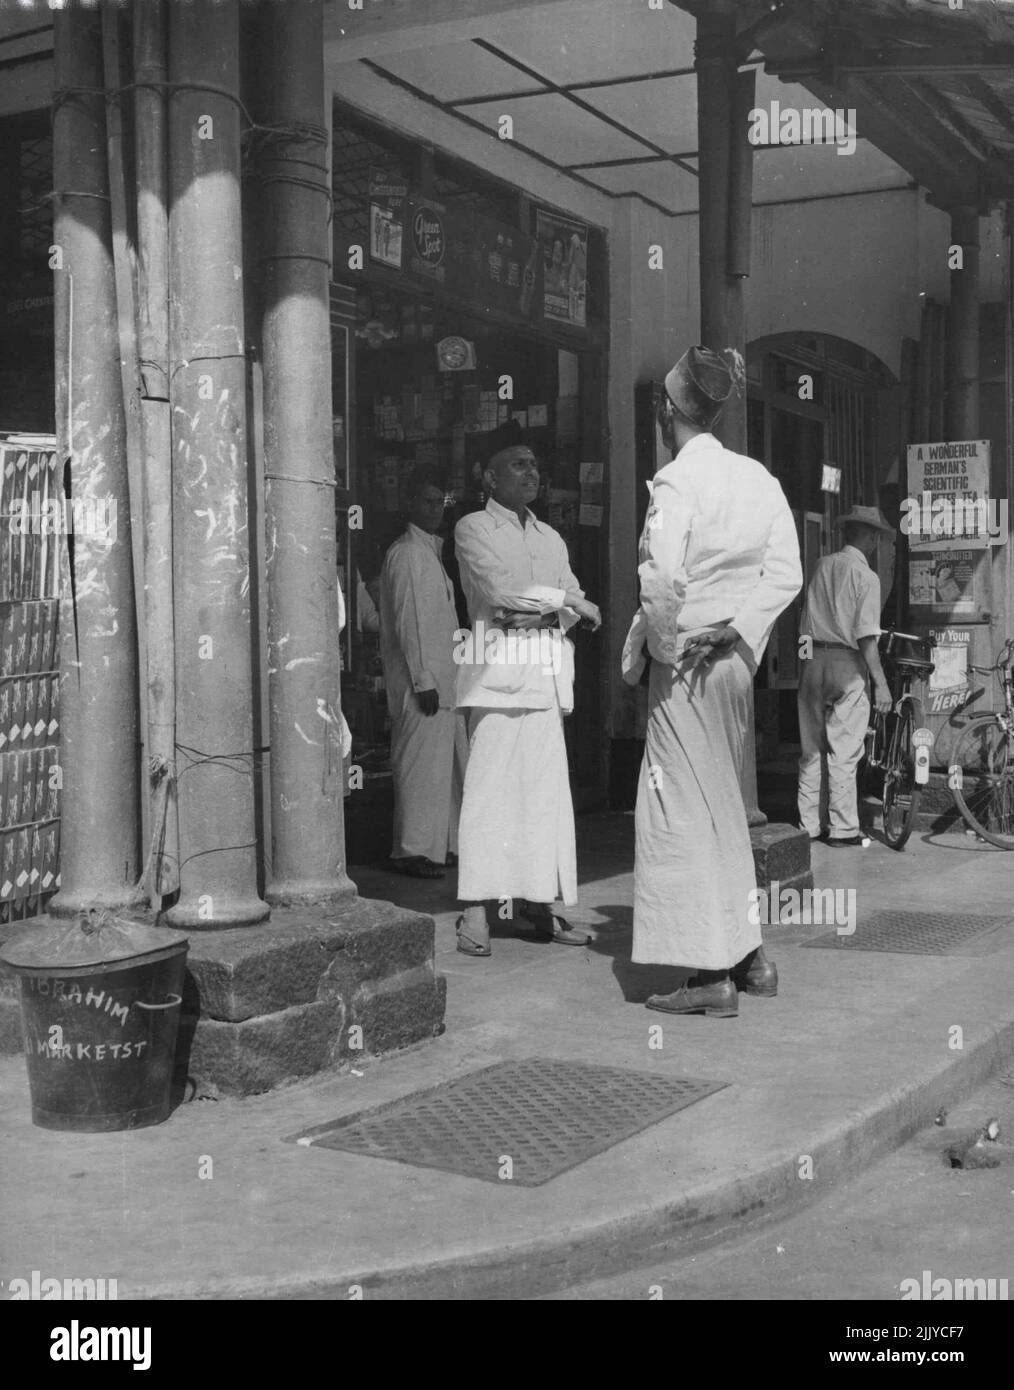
point(901, 794)
point(982, 780)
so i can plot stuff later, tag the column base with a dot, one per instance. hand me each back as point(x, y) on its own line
point(238, 912)
point(68, 904)
point(272, 1004)
point(301, 892)
point(314, 990)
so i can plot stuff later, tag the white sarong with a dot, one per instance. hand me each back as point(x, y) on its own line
point(428, 756)
point(516, 834)
point(694, 870)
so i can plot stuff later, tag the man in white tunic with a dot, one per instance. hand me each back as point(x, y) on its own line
point(719, 562)
point(516, 680)
point(429, 746)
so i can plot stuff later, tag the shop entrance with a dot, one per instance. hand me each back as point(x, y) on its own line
point(816, 418)
point(398, 403)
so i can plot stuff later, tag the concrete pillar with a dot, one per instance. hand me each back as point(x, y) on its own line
point(961, 418)
point(725, 188)
point(99, 752)
point(150, 66)
point(307, 824)
point(214, 688)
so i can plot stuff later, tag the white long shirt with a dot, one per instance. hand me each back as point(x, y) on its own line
point(506, 565)
point(719, 545)
point(418, 620)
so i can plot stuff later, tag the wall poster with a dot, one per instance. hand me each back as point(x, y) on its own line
point(387, 218)
point(564, 267)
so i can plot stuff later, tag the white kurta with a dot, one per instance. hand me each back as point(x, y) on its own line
point(516, 836)
point(719, 545)
point(418, 622)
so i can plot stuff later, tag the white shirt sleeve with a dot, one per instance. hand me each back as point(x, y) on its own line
point(662, 571)
point(780, 581)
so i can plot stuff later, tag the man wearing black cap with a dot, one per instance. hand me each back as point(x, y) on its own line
point(516, 835)
point(719, 562)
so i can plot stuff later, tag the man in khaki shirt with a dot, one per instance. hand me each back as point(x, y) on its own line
point(842, 620)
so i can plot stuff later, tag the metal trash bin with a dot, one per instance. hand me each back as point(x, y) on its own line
point(100, 1010)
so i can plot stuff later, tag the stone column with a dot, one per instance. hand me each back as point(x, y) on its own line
point(307, 824)
point(214, 687)
point(98, 636)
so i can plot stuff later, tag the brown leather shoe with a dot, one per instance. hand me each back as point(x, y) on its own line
point(756, 975)
point(719, 999)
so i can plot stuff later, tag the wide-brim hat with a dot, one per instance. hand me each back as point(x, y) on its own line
point(701, 383)
point(867, 516)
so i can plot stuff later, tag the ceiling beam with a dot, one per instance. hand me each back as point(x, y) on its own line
point(943, 112)
point(980, 90)
point(527, 150)
point(568, 95)
point(931, 161)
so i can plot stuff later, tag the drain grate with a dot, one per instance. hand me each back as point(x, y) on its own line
point(544, 1116)
point(918, 933)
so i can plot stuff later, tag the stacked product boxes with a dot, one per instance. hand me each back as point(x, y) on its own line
point(31, 533)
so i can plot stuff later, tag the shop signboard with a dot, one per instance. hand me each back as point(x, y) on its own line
point(948, 505)
point(387, 218)
point(564, 244)
point(948, 518)
point(947, 688)
point(428, 239)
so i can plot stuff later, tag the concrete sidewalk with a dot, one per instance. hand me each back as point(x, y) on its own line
point(854, 1055)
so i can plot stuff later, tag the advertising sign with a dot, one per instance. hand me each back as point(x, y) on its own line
point(564, 268)
point(387, 218)
point(948, 685)
point(943, 581)
point(428, 239)
point(948, 504)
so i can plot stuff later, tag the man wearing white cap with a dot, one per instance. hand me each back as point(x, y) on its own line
point(719, 562)
point(842, 621)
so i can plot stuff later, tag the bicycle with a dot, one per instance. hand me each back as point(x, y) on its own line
point(894, 739)
point(984, 754)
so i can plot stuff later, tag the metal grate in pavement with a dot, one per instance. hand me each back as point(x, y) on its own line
point(918, 933)
point(544, 1116)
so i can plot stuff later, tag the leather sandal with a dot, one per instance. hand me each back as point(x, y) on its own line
point(550, 926)
point(466, 945)
point(417, 867)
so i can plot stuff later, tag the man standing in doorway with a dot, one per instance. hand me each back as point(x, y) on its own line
point(428, 742)
point(517, 820)
point(841, 619)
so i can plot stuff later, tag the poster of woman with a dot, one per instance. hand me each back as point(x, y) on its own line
point(564, 267)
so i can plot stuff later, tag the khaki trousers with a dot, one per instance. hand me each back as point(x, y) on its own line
point(834, 714)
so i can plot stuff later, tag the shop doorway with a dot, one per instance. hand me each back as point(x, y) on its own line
point(822, 416)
